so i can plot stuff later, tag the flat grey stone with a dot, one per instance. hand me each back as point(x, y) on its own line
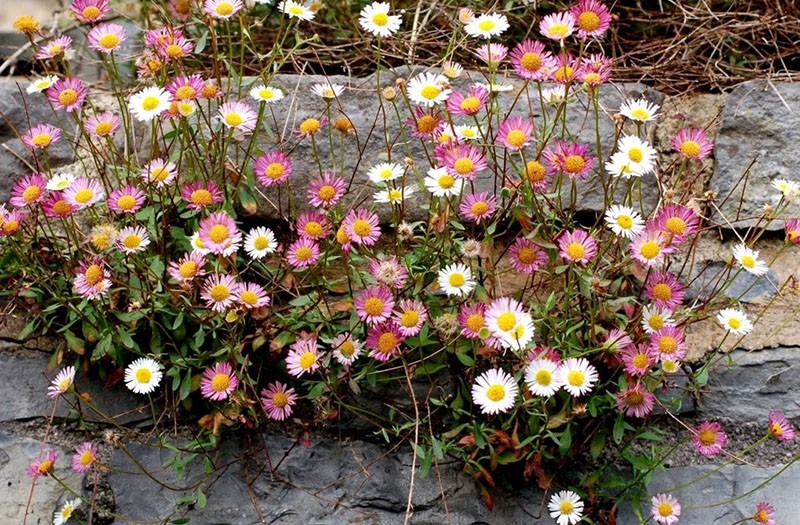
point(744, 286)
point(760, 125)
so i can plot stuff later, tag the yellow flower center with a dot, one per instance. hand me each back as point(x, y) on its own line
point(734, 323)
point(183, 7)
point(87, 457)
point(132, 241)
point(188, 269)
point(68, 97)
point(506, 321)
point(575, 250)
point(675, 225)
point(42, 140)
point(761, 517)
point(430, 92)
point(275, 170)
point(150, 102)
point(143, 375)
point(664, 509)
point(220, 382)
point(201, 197)
point(564, 74)
point(662, 292)
point(248, 297)
point(91, 12)
point(588, 21)
point(109, 41)
point(64, 384)
point(347, 348)
point(544, 377)
point(103, 128)
point(296, 10)
point(62, 207)
point(591, 78)
point(387, 342)
point(456, 280)
point(280, 400)
point(486, 25)
point(303, 254)
point(380, 19)
point(218, 233)
point(126, 202)
point(516, 138)
point(326, 193)
point(558, 30)
point(496, 393)
point(748, 261)
point(373, 306)
point(775, 429)
point(310, 126)
point(535, 171)
point(649, 250)
point(574, 164)
point(446, 182)
point(219, 292)
point(31, 193)
point(471, 104)
point(475, 322)
point(261, 243)
point(566, 507)
point(174, 51)
point(409, 319)
point(233, 119)
point(479, 208)
point(531, 61)
point(10, 227)
point(185, 92)
point(640, 361)
point(656, 322)
point(45, 466)
point(576, 378)
point(426, 124)
point(690, 148)
point(224, 9)
point(667, 344)
point(635, 154)
point(707, 437)
point(313, 229)
point(26, 24)
point(526, 255)
point(83, 196)
point(464, 166)
point(361, 228)
point(640, 114)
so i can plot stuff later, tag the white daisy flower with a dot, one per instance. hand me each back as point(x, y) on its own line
point(496, 88)
point(346, 349)
point(577, 375)
point(442, 184)
point(62, 382)
point(384, 172)
point(456, 279)
point(132, 239)
point(143, 376)
point(670, 366)
point(788, 188)
point(655, 318)
point(41, 84)
point(640, 110)
point(487, 25)
point(393, 195)
point(624, 221)
point(267, 94)
point(554, 95)
point(63, 514)
point(375, 18)
point(60, 182)
point(452, 70)
point(734, 321)
point(541, 376)
point(197, 244)
point(259, 242)
point(148, 103)
point(428, 89)
point(467, 132)
point(508, 321)
point(636, 154)
point(296, 10)
point(749, 260)
point(566, 507)
point(327, 90)
point(494, 391)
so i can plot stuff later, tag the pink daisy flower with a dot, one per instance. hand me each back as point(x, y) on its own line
point(531, 61)
point(346, 349)
point(650, 247)
point(374, 304)
point(313, 225)
point(389, 272)
point(557, 26)
point(218, 382)
point(43, 466)
point(792, 229)
point(384, 340)
point(67, 94)
point(424, 123)
point(565, 68)
point(570, 158)
point(84, 457)
point(187, 268)
point(526, 257)
point(592, 18)
point(238, 116)
point(361, 226)
point(277, 401)
point(92, 279)
point(616, 340)
point(186, 87)
point(41, 136)
point(692, 144)
point(90, 11)
point(463, 160)
point(106, 38)
point(577, 246)
point(637, 360)
point(779, 427)
point(478, 207)
point(55, 205)
point(103, 125)
point(200, 195)
point(304, 357)
point(635, 401)
point(669, 343)
point(83, 192)
point(219, 234)
point(173, 45)
point(472, 103)
point(492, 53)
point(677, 222)
point(765, 514)
point(410, 315)
point(515, 133)
point(133, 239)
point(127, 199)
point(665, 509)
point(62, 382)
point(222, 9)
point(665, 290)
point(219, 292)
point(472, 318)
point(709, 438)
point(302, 253)
point(595, 70)
point(180, 9)
point(326, 191)
point(55, 47)
point(159, 172)
point(537, 175)
point(28, 190)
point(251, 295)
point(272, 168)
point(10, 222)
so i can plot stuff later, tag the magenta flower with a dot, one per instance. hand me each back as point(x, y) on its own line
point(650, 247)
point(424, 123)
point(669, 343)
point(304, 357)
point(10, 222)
point(54, 205)
point(765, 514)
point(637, 360)
point(219, 292)
point(384, 340)
point(43, 466)
point(41, 136)
point(92, 279)
point(410, 315)
point(180, 9)
point(28, 190)
point(302, 253)
point(709, 438)
point(252, 295)
point(595, 70)
point(592, 18)
point(492, 53)
point(103, 125)
point(478, 207)
point(313, 225)
point(90, 11)
point(525, 256)
point(565, 68)
point(515, 133)
point(475, 100)
point(779, 427)
point(677, 222)
point(67, 94)
point(272, 168)
point(219, 234)
point(327, 191)
point(200, 195)
point(186, 87)
point(572, 159)
point(692, 144)
point(218, 382)
point(278, 400)
point(127, 199)
point(374, 304)
point(239, 116)
point(84, 457)
point(616, 340)
point(665, 290)
point(635, 401)
point(187, 268)
point(464, 161)
point(557, 26)
point(472, 318)
point(361, 226)
point(55, 47)
point(792, 229)
point(106, 38)
point(577, 246)
point(83, 192)
point(531, 61)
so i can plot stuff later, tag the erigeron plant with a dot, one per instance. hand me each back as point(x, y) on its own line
point(538, 332)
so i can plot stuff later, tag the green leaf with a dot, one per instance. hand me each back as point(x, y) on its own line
point(619, 428)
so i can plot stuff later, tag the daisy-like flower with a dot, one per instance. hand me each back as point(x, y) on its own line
point(43, 466)
point(572, 159)
point(577, 246)
point(200, 195)
point(180, 9)
point(259, 242)
point(41, 84)
point(464, 161)
point(494, 391)
point(634, 158)
point(127, 199)
point(537, 175)
point(478, 207)
point(296, 10)
point(779, 427)
point(492, 53)
point(509, 323)
point(62, 515)
point(749, 261)
point(326, 191)
point(595, 70)
point(692, 144)
point(92, 279)
point(264, 93)
point(374, 304)
point(577, 375)
point(487, 25)
point(734, 321)
point(375, 19)
point(187, 268)
point(60, 181)
point(541, 376)
point(313, 225)
point(278, 400)
point(251, 295)
point(668, 343)
point(219, 234)
point(218, 382)
point(238, 116)
point(565, 507)
point(143, 376)
point(361, 226)
point(467, 132)
point(133, 239)
point(525, 256)
point(635, 401)
point(28, 190)
point(650, 247)
point(557, 26)
point(103, 124)
point(388, 272)
point(624, 221)
point(219, 292)
point(90, 11)
point(765, 514)
point(55, 47)
point(346, 349)
point(425, 123)
point(327, 91)
point(515, 133)
point(428, 89)
point(84, 457)
point(311, 126)
point(106, 38)
point(304, 357)
point(709, 439)
point(790, 190)
point(637, 360)
point(677, 222)
point(655, 318)
point(640, 110)
point(83, 192)
point(197, 244)
point(472, 319)
point(302, 253)
point(472, 103)
point(531, 61)
point(452, 70)
point(147, 104)
point(62, 382)
point(665, 290)
point(456, 279)
point(410, 315)
point(27, 25)
point(441, 184)
point(385, 171)
point(616, 340)
point(103, 236)
point(665, 509)
point(592, 18)
point(67, 94)
point(10, 221)
point(186, 87)
point(792, 229)
point(393, 195)
point(222, 9)
point(272, 167)
point(384, 340)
